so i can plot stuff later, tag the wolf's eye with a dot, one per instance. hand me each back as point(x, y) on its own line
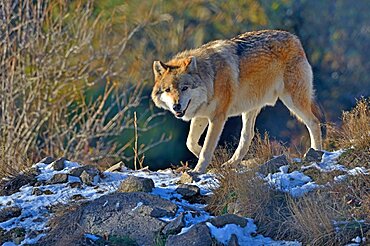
point(184, 88)
point(167, 90)
point(159, 92)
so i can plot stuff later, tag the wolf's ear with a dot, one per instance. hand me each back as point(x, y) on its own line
point(159, 68)
point(191, 64)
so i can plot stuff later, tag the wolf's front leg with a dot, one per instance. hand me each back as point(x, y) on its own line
point(197, 127)
point(213, 134)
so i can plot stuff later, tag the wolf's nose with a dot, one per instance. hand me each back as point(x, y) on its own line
point(177, 107)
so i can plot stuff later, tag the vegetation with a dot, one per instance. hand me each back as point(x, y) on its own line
point(331, 215)
point(69, 67)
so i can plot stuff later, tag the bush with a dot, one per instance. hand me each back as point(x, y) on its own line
point(54, 56)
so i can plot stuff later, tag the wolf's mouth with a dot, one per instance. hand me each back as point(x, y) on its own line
point(182, 113)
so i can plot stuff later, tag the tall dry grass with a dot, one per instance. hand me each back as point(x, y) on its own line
point(54, 56)
point(353, 135)
point(331, 215)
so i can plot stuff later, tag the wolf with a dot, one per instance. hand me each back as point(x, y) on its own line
point(233, 77)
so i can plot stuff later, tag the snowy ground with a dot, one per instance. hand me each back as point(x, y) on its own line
point(36, 209)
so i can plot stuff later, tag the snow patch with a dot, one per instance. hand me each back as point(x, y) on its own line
point(246, 235)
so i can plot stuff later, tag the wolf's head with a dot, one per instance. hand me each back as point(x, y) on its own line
point(178, 87)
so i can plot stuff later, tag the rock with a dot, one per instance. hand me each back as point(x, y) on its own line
point(136, 184)
point(313, 155)
point(38, 220)
point(273, 165)
point(11, 185)
point(233, 241)
point(89, 178)
point(114, 214)
point(48, 192)
point(47, 160)
point(9, 212)
point(77, 171)
point(221, 221)
point(75, 185)
point(58, 178)
point(118, 167)
point(188, 191)
point(88, 174)
point(197, 235)
point(78, 197)
point(175, 226)
point(58, 164)
point(188, 177)
point(37, 192)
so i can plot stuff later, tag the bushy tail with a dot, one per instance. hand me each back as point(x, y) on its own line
point(318, 111)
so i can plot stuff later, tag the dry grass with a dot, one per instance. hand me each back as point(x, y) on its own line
point(308, 219)
point(353, 135)
point(263, 148)
point(329, 216)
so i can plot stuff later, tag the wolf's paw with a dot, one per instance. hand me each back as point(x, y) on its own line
point(199, 170)
point(231, 163)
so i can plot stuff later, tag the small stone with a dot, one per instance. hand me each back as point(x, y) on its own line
point(47, 160)
point(75, 185)
point(89, 178)
point(48, 192)
point(78, 197)
point(38, 220)
point(221, 221)
point(175, 226)
point(233, 241)
point(273, 165)
point(36, 192)
point(188, 191)
point(58, 164)
point(9, 212)
point(59, 178)
point(197, 235)
point(187, 177)
point(77, 171)
point(136, 184)
point(313, 155)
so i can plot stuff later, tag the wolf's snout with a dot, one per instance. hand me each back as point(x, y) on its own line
point(177, 107)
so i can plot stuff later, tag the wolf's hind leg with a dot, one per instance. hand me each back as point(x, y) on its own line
point(246, 136)
point(197, 127)
point(302, 108)
point(298, 97)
